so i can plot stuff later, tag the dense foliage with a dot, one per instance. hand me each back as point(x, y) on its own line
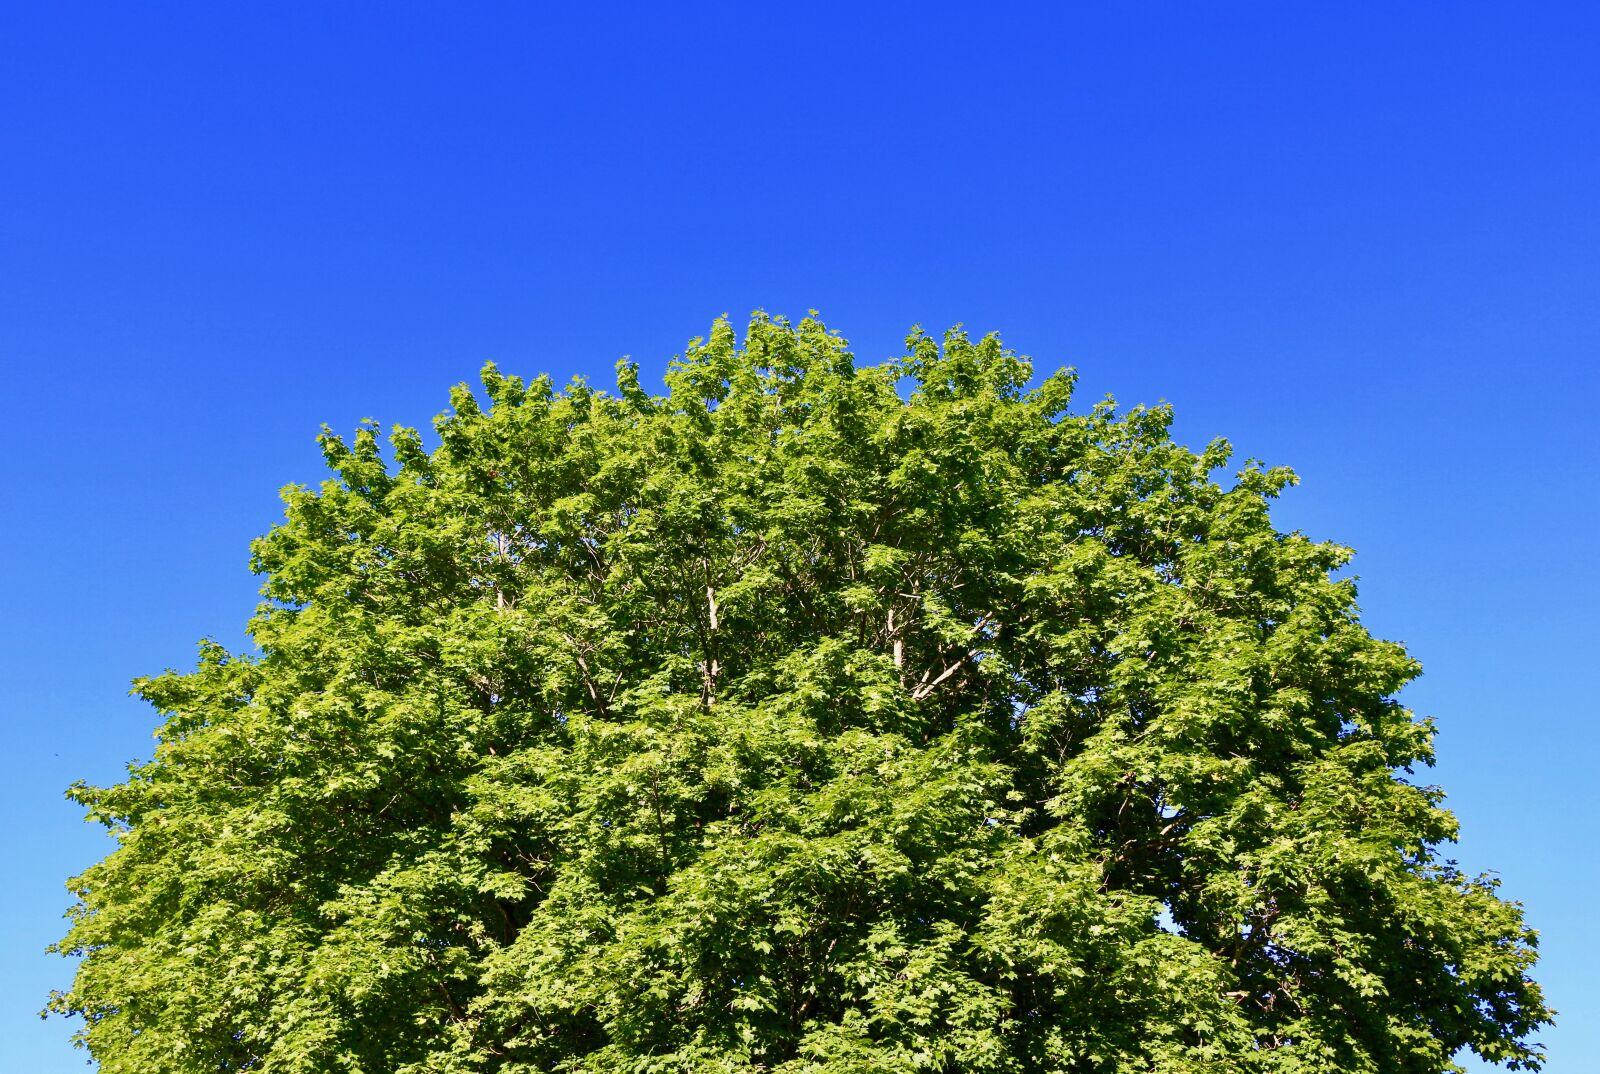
point(792, 721)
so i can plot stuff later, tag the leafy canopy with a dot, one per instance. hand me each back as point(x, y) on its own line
point(786, 722)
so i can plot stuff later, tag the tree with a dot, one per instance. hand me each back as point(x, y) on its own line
point(786, 722)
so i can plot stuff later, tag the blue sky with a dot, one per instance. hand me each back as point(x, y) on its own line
point(1358, 240)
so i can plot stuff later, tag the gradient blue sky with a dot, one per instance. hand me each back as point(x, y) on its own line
point(1359, 240)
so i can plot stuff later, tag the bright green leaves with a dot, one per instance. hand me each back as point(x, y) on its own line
point(785, 722)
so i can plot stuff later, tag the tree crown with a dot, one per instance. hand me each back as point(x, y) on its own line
point(787, 721)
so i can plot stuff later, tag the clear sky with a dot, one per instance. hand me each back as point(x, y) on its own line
point(1363, 241)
